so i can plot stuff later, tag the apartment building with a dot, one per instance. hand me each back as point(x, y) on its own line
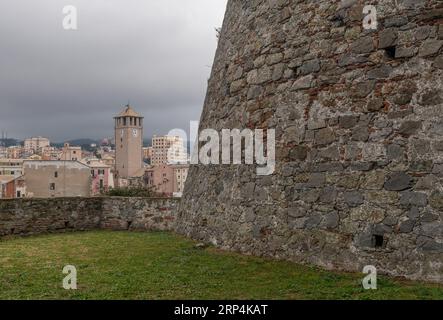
point(3, 152)
point(147, 154)
point(168, 150)
point(35, 144)
point(181, 173)
point(51, 153)
point(15, 152)
point(102, 178)
point(11, 167)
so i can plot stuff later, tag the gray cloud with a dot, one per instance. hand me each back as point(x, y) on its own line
point(69, 84)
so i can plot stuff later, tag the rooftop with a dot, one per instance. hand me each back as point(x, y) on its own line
point(57, 163)
point(128, 112)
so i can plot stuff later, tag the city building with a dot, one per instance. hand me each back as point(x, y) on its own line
point(168, 180)
point(70, 153)
point(128, 144)
point(147, 154)
point(12, 187)
point(181, 173)
point(15, 152)
point(101, 175)
point(51, 153)
point(102, 178)
point(3, 152)
point(46, 179)
point(35, 144)
point(168, 150)
point(11, 167)
point(109, 159)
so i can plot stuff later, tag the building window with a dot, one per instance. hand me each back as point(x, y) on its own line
point(56, 174)
point(101, 184)
point(52, 186)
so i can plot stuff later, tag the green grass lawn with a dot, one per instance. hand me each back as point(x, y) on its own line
point(123, 265)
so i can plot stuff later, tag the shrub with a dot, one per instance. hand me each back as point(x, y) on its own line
point(131, 192)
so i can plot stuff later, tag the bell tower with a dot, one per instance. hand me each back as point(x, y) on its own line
point(128, 143)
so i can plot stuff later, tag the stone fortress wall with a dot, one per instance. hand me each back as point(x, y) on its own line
point(24, 217)
point(359, 136)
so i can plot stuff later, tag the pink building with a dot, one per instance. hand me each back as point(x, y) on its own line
point(168, 180)
point(101, 178)
point(160, 179)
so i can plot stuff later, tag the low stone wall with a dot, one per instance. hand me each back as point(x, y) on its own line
point(36, 216)
point(138, 214)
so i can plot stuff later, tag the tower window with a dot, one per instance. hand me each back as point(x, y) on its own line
point(124, 121)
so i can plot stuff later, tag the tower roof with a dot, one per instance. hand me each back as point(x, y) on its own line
point(128, 112)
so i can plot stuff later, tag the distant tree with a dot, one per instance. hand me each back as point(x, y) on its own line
point(8, 142)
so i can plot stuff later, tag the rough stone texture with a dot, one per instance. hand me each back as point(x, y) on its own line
point(359, 129)
point(34, 216)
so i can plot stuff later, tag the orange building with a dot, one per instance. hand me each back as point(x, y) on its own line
point(12, 187)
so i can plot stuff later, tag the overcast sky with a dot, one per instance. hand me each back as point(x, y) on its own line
point(69, 84)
